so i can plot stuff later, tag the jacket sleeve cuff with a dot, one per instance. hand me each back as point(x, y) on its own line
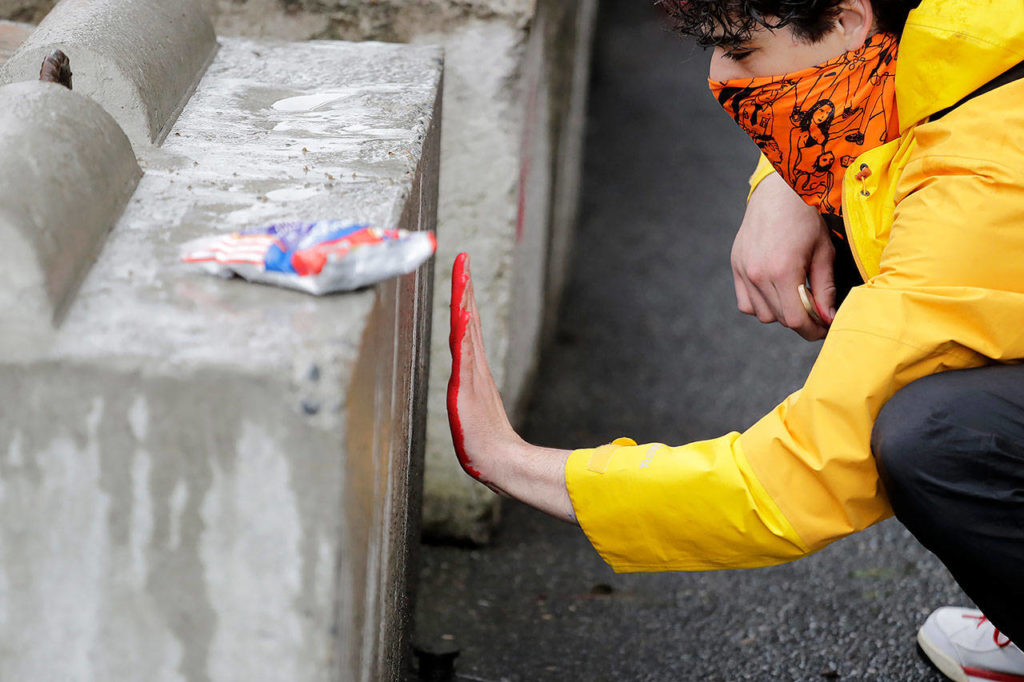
point(763, 170)
point(583, 469)
point(693, 507)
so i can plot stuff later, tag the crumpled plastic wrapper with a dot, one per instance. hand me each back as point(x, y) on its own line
point(319, 258)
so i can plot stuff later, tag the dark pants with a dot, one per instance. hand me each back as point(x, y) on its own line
point(950, 449)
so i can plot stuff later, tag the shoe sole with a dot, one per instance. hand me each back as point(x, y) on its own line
point(946, 665)
point(954, 671)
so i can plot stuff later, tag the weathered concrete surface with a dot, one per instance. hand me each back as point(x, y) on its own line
point(515, 87)
point(209, 480)
point(556, 77)
point(67, 173)
point(140, 60)
point(12, 35)
point(571, 79)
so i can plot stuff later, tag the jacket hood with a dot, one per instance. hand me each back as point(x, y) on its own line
point(950, 48)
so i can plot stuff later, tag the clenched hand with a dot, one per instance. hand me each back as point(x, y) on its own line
point(781, 244)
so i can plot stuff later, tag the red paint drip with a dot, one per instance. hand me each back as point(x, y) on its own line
point(826, 318)
point(460, 320)
point(526, 149)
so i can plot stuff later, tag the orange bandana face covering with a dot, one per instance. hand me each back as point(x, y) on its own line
point(813, 123)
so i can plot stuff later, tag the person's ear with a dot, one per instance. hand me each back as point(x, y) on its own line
point(856, 22)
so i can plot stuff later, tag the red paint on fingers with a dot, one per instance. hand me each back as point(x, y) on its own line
point(822, 313)
point(460, 321)
point(813, 308)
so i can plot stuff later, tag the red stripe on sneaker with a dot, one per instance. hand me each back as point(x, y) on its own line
point(993, 675)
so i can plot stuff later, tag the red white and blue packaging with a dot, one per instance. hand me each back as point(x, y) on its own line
point(316, 257)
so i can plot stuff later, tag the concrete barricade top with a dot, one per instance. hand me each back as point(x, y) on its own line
point(142, 78)
point(75, 171)
point(277, 132)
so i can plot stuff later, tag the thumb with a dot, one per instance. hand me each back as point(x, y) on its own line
point(823, 279)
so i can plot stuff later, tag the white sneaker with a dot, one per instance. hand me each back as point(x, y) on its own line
point(966, 647)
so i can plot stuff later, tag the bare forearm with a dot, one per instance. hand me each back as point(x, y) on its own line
point(536, 476)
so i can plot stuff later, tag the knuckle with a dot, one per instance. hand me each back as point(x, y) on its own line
point(756, 274)
point(781, 268)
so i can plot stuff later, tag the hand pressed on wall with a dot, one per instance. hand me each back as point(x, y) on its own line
point(487, 446)
point(475, 411)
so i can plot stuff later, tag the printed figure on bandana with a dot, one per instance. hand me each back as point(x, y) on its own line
point(757, 118)
point(810, 156)
point(818, 180)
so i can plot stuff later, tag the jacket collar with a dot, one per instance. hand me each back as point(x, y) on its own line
point(950, 48)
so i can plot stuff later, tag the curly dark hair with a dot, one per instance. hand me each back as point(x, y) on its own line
point(731, 22)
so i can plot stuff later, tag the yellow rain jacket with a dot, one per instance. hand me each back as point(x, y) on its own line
point(938, 231)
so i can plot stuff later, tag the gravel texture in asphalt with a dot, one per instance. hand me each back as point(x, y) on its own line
point(650, 345)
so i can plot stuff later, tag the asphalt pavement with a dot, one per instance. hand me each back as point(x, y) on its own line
point(650, 345)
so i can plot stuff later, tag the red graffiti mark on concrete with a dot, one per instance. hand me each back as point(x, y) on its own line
point(529, 130)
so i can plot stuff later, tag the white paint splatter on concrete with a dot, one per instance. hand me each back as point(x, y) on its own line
point(15, 455)
point(142, 519)
point(178, 501)
point(58, 557)
point(293, 193)
point(313, 102)
point(138, 418)
point(253, 565)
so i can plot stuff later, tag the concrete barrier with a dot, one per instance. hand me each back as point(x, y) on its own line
point(66, 173)
point(515, 92)
point(140, 60)
point(211, 480)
